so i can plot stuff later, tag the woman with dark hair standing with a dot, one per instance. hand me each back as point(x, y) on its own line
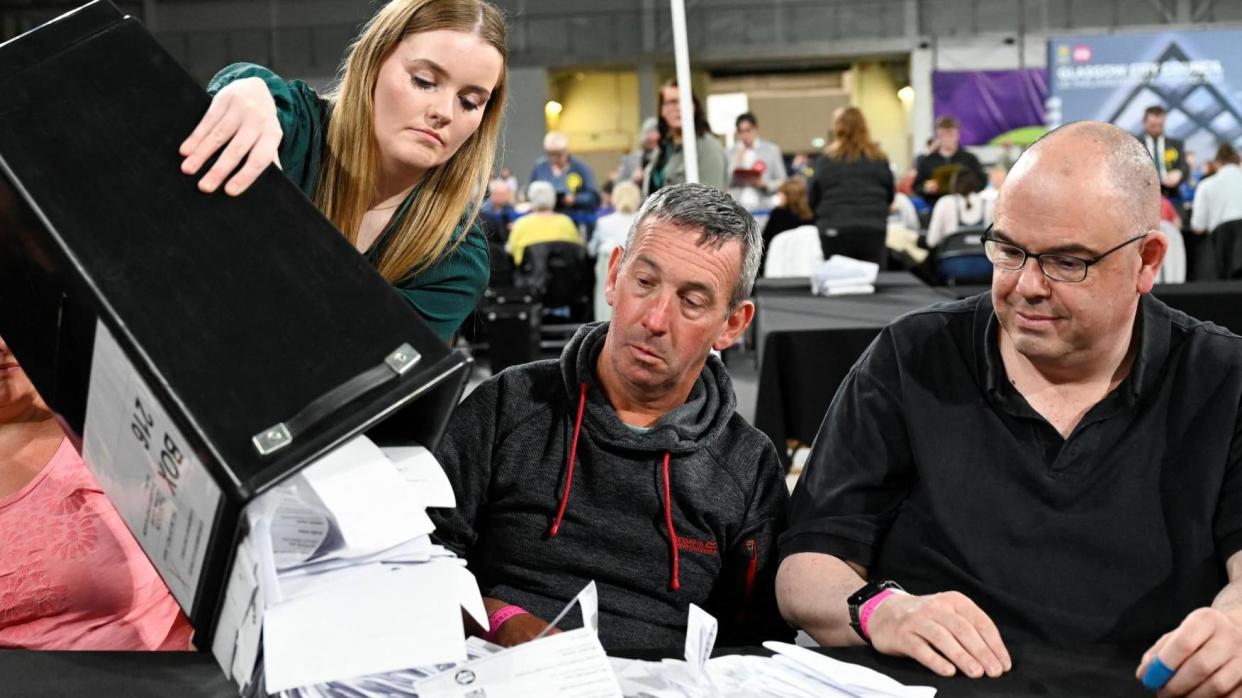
point(669, 164)
point(397, 156)
point(851, 191)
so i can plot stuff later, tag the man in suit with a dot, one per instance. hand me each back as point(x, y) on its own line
point(1169, 154)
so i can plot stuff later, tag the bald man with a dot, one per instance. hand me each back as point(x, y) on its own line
point(1058, 461)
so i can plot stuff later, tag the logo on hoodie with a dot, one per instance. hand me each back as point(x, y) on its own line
point(694, 545)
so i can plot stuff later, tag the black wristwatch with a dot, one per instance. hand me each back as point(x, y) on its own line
point(861, 597)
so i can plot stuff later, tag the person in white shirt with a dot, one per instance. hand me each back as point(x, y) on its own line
point(1218, 199)
point(610, 232)
point(965, 208)
point(756, 167)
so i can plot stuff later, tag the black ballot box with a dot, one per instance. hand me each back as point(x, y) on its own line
point(200, 348)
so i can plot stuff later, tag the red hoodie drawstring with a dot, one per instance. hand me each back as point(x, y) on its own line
point(675, 580)
point(569, 473)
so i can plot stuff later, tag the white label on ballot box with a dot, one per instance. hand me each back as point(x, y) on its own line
point(156, 483)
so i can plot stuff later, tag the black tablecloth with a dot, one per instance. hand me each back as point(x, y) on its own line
point(810, 343)
point(1036, 672)
point(784, 305)
point(806, 345)
point(112, 675)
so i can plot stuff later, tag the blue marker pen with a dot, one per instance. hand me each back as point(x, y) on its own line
point(1157, 675)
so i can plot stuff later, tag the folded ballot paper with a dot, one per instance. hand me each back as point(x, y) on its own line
point(840, 275)
point(338, 579)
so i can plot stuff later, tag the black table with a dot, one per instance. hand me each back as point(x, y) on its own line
point(810, 343)
point(113, 675)
point(1036, 672)
point(806, 344)
point(783, 305)
point(1216, 301)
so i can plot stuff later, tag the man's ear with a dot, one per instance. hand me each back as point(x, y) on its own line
point(739, 318)
point(610, 282)
point(1152, 250)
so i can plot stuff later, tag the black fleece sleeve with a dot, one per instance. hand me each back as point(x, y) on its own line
point(745, 604)
point(465, 453)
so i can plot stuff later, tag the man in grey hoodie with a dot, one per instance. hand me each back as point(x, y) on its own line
point(676, 499)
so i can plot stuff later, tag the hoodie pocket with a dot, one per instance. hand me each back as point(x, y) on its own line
point(750, 552)
point(752, 568)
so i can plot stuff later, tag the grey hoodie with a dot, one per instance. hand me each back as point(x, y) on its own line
point(507, 449)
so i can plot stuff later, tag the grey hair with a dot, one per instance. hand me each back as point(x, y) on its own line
point(715, 216)
point(542, 195)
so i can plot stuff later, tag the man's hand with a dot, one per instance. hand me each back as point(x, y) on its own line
point(930, 187)
point(944, 632)
point(1205, 651)
point(521, 628)
point(568, 200)
point(1172, 179)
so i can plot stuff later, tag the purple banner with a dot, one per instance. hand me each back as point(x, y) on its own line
point(988, 103)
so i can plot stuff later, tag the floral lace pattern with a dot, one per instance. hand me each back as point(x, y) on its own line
point(56, 525)
point(71, 575)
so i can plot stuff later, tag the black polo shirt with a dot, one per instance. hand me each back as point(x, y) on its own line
point(932, 470)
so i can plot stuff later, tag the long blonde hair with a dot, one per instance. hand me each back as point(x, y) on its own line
point(850, 138)
point(350, 172)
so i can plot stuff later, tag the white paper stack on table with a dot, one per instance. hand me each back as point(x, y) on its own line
point(792, 672)
point(338, 580)
point(840, 275)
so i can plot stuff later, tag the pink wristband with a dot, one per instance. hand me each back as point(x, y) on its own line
point(498, 619)
point(864, 613)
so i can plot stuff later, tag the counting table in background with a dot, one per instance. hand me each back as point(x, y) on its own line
point(807, 344)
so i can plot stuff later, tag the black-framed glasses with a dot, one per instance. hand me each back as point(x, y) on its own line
point(1055, 266)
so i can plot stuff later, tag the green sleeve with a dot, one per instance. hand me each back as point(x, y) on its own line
point(303, 119)
point(448, 291)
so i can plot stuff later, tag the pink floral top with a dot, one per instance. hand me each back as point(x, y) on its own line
point(71, 575)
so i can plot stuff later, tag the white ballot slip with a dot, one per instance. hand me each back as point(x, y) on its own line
point(402, 618)
point(700, 638)
point(424, 473)
point(853, 679)
point(566, 665)
point(371, 503)
point(569, 665)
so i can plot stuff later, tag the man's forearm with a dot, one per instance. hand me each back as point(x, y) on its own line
point(1229, 600)
point(812, 589)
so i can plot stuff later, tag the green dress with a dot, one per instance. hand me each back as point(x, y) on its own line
point(444, 293)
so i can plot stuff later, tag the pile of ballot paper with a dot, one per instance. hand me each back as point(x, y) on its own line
point(791, 672)
point(337, 577)
point(338, 591)
point(839, 275)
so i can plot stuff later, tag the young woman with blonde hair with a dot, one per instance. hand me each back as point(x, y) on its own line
point(397, 156)
point(852, 190)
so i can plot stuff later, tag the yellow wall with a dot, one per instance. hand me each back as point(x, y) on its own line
point(875, 93)
point(599, 115)
point(600, 109)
